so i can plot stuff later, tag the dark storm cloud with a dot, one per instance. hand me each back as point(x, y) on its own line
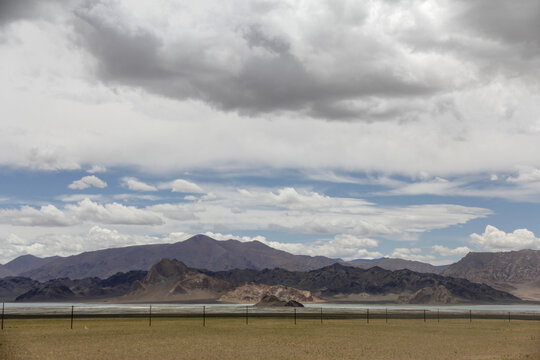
point(274, 82)
point(14, 10)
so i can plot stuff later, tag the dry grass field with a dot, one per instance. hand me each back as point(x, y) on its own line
point(268, 338)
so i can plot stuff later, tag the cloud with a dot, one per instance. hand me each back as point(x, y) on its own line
point(47, 215)
point(444, 251)
point(113, 213)
point(494, 239)
point(88, 181)
point(182, 186)
point(414, 254)
point(136, 185)
point(526, 175)
point(96, 169)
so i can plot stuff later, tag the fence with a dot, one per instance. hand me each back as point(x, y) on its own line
point(296, 315)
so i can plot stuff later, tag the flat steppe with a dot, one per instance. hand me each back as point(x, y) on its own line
point(269, 338)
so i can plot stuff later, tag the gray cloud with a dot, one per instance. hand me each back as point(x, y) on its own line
point(250, 67)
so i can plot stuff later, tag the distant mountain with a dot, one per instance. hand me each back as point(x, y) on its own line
point(26, 263)
point(396, 264)
point(5, 272)
point(13, 286)
point(337, 280)
point(82, 289)
point(170, 280)
point(199, 251)
point(517, 272)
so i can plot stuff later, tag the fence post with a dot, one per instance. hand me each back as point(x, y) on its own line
point(424, 315)
point(204, 316)
point(294, 316)
point(247, 321)
point(438, 315)
point(367, 315)
point(470, 316)
point(321, 314)
point(71, 317)
point(3, 304)
point(386, 315)
point(509, 316)
point(150, 316)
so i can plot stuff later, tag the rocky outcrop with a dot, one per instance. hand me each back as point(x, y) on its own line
point(336, 280)
point(429, 295)
point(171, 280)
point(517, 272)
point(253, 293)
point(274, 301)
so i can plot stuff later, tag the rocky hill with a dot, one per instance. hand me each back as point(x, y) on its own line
point(65, 289)
point(170, 280)
point(337, 281)
point(200, 252)
point(13, 286)
point(253, 293)
point(396, 264)
point(517, 272)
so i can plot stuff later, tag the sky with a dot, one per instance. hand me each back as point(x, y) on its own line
point(349, 129)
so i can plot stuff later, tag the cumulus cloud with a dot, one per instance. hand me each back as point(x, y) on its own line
point(136, 185)
point(494, 239)
point(47, 215)
point(96, 169)
point(415, 254)
point(445, 251)
point(113, 213)
point(86, 182)
point(182, 186)
point(526, 175)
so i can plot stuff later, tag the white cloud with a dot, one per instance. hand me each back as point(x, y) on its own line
point(182, 186)
point(88, 181)
point(494, 239)
point(526, 175)
point(136, 185)
point(414, 254)
point(445, 251)
point(113, 213)
point(96, 169)
point(47, 215)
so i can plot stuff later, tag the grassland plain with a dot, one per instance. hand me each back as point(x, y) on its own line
point(269, 338)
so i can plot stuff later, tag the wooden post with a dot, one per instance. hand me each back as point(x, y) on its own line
point(321, 314)
point(470, 316)
point(150, 316)
point(294, 316)
point(247, 321)
point(424, 315)
point(508, 316)
point(204, 316)
point(3, 305)
point(72, 316)
point(386, 316)
point(438, 315)
point(367, 315)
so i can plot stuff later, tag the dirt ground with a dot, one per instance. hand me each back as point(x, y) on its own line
point(268, 338)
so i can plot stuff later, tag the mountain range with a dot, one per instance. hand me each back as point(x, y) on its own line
point(199, 251)
point(517, 272)
point(171, 280)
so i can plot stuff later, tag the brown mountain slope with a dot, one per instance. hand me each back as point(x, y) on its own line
point(26, 263)
point(517, 272)
point(200, 252)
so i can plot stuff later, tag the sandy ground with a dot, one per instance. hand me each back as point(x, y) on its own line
point(274, 338)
